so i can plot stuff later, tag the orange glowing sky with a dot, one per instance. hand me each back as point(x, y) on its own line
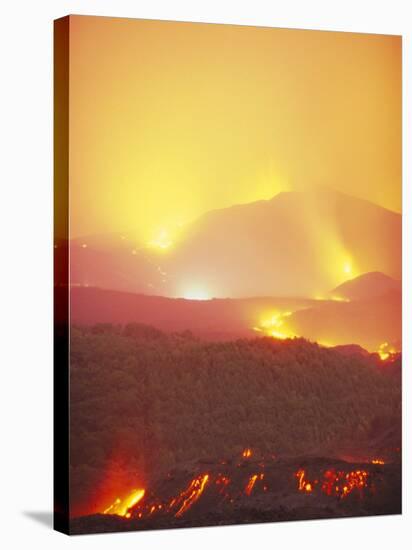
point(169, 120)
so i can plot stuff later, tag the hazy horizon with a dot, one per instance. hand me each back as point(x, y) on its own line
point(314, 189)
point(227, 115)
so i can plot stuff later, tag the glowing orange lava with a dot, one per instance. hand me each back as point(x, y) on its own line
point(274, 325)
point(338, 483)
point(331, 482)
point(250, 485)
point(303, 485)
point(386, 351)
point(192, 493)
point(122, 507)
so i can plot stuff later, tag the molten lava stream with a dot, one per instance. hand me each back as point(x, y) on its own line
point(251, 483)
point(303, 484)
point(122, 507)
point(335, 483)
point(192, 494)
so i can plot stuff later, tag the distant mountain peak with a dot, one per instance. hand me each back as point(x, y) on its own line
point(367, 285)
point(295, 244)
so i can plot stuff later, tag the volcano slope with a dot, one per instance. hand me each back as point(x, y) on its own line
point(257, 490)
point(154, 411)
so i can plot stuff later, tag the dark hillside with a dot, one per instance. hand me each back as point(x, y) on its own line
point(143, 402)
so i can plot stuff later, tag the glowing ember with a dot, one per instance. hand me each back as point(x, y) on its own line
point(338, 483)
point(247, 453)
point(250, 485)
point(223, 481)
point(122, 507)
point(377, 461)
point(300, 474)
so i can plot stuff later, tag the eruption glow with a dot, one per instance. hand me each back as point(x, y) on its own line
point(347, 267)
point(146, 162)
point(121, 507)
point(162, 242)
point(196, 294)
point(274, 325)
point(386, 351)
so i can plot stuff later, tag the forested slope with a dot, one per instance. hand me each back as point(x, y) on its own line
point(143, 402)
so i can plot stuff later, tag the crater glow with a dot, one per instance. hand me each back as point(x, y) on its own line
point(274, 325)
point(196, 294)
point(347, 267)
point(163, 241)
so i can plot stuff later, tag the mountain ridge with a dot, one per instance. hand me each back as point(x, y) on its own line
point(367, 285)
point(258, 248)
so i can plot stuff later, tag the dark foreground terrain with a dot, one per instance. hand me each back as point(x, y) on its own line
point(145, 403)
point(256, 489)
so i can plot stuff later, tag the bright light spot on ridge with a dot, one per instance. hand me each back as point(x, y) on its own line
point(196, 294)
point(162, 241)
point(274, 325)
point(347, 267)
point(386, 350)
point(336, 298)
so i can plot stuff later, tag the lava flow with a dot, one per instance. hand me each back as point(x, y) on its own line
point(303, 484)
point(334, 482)
point(238, 481)
point(192, 494)
point(251, 483)
point(387, 352)
point(275, 325)
point(121, 507)
point(136, 506)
